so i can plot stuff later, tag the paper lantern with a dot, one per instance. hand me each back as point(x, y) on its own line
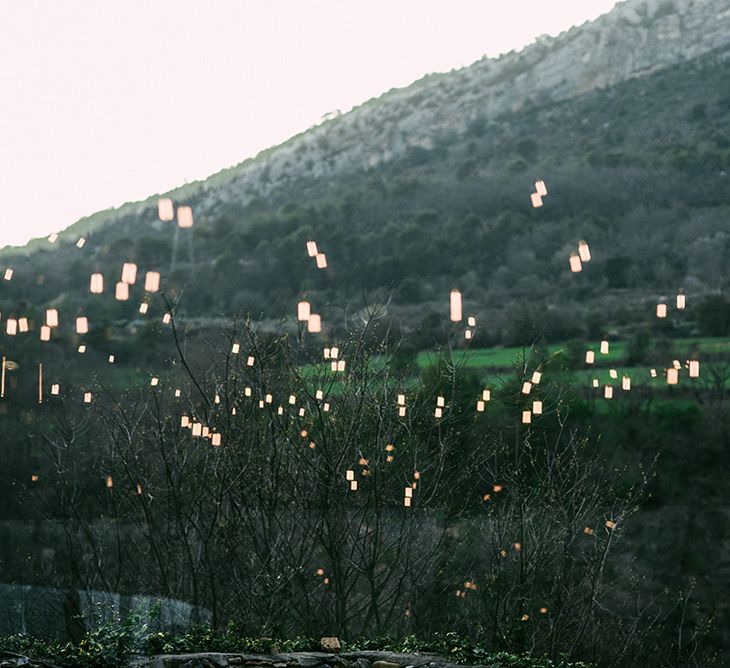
point(440, 401)
point(184, 421)
point(52, 317)
point(467, 334)
point(575, 265)
point(408, 492)
point(80, 243)
point(694, 369)
point(23, 324)
point(438, 412)
point(312, 249)
point(626, 383)
point(301, 412)
point(111, 359)
point(206, 432)
point(536, 376)
point(250, 361)
point(672, 376)
point(11, 326)
point(178, 393)
point(608, 392)
point(166, 319)
point(154, 381)
point(319, 395)
point(613, 373)
point(590, 357)
point(536, 200)
point(541, 188)
point(97, 284)
point(350, 474)
point(292, 399)
point(401, 411)
point(595, 382)
point(87, 397)
point(604, 347)
point(584, 252)
point(152, 281)
point(8, 274)
point(235, 348)
point(269, 398)
point(184, 217)
point(334, 352)
point(165, 209)
point(303, 311)
point(45, 333)
point(82, 325)
point(407, 502)
point(314, 324)
point(143, 307)
point(471, 321)
point(480, 406)
point(455, 303)
point(129, 273)
point(81, 349)
point(661, 310)
point(681, 302)
point(109, 482)
point(326, 353)
point(340, 365)
point(122, 291)
point(526, 387)
point(55, 389)
point(197, 429)
point(677, 364)
point(537, 407)
point(486, 395)
point(321, 261)
point(215, 440)
point(526, 417)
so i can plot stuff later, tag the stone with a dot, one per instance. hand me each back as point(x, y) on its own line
point(330, 644)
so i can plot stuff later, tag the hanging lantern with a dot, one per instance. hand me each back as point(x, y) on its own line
point(165, 210)
point(584, 252)
point(8, 274)
point(626, 383)
point(52, 317)
point(681, 302)
point(152, 281)
point(455, 311)
point(314, 324)
point(321, 261)
point(80, 243)
point(575, 265)
point(215, 440)
point(166, 319)
point(184, 217)
point(87, 397)
point(143, 307)
point(590, 357)
point(23, 324)
point(471, 321)
point(45, 333)
point(303, 311)
point(608, 392)
point(661, 310)
point(526, 417)
point(82, 325)
point(526, 387)
point(480, 406)
point(536, 200)
point(596, 383)
point(129, 273)
point(541, 188)
point(537, 407)
point(604, 347)
point(536, 376)
point(96, 285)
point(672, 376)
point(694, 369)
point(11, 326)
point(122, 291)
point(55, 389)
point(613, 373)
point(111, 359)
point(312, 249)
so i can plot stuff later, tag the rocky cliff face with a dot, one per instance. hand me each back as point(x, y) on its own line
point(637, 38)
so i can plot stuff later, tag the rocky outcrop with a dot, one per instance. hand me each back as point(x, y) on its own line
point(369, 659)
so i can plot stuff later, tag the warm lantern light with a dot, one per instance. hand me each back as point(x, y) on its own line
point(455, 311)
point(467, 334)
point(401, 399)
point(321, 261)
point(8, 274)
point(350, 474)
point(480, 406)
point(143, 307)
point(661, 310)
point(438, 412)
point(653, 373)
point(486, 395)
point(584, 252)
point(111, 359)
point(184, 217)
point(52, 317)
point(440, 401)
point(312, 249)
point(314, 324)
point(471, 321)
point(595, 382)
point(626, 383)
point(82, 349)
point(80, 243)
point(536, 376)
point(526, 387)
point(604, 347)
point(537, 407)
point(97, 284)
point(694, 369)
point(87, 397)
point(165, 209)
point(45, 333)
point(613, 373)
point(590, 357)
point(235, 348)
point(55, 389)
point(608, 392)
point(536, 200)
point(11, 326)
point(122, 291)
point(672, 376)
point(82, 325)
point(303, 311)
point(166, 319)
point(23, 324)
point(129, 273)
point(575, 265)
point(215, 440)
point(152, 281)
point(154, 381)
point(540, 188)
point(250, 361)
point(526, 417)
point(681, 302)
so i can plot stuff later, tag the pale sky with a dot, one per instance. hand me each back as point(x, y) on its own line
point(103, 102)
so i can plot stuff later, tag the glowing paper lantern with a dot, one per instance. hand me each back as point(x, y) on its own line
point(215, 440)
point(349, 474)
point(143, 307)
point(401, 411)
point(292, 399)
point(575, 265)
point(653, 373)
point(584, 252)
point(80, 243)
point(165, 209)
point(303, 311)
point(197, 429)
point(613, 373)
point(438, 412)
point(52, 317)
point(486, 395)
point(129, 273)
point(166, 319)
point(23, 324)
point(111, 359)
point(122, 291)
point(467, 334)
point(672, 376)
point(96, 285)
point(235, 348)
point(590, 357)
point(536, 200)
point(312, 249)
point(540, 188)
point(626, 383)
point(604, 347)
point(82, 349)
point(608, 392)
point(82, 325)
point(471, 321)
point(694, 369)
point(681, 302)
point(8, 274)
point(152, 281)
point(184, 217)
point(184, 421)
point(334, 352)
point(88, 397)
point(537, 407)
point(11, 326)
point(55, 389)
point(480, 406)
point(154, 381)
point(661, 310)
point(526, 387)
point(401, 399)
point(45, 333)
point(321, 261)
point(314, 324)
point(595, 382)
point(536, 376)
point(455, 304)
point(526, 417)
point(250, 361)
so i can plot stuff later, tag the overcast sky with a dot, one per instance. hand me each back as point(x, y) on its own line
point(107, 102)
